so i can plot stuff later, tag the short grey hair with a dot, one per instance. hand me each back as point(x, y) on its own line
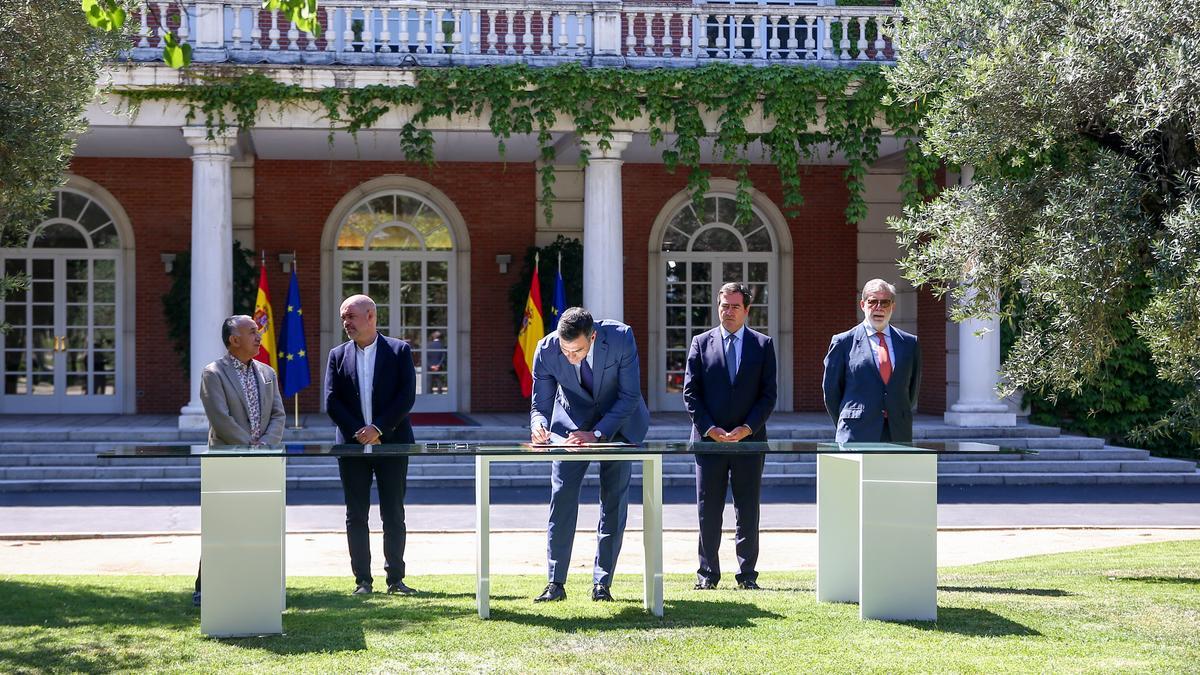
point(876, 285)
point(229, 325)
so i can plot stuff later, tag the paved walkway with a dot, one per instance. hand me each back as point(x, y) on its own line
point(140, 533)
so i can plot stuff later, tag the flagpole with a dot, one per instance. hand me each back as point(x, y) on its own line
point(295, 397)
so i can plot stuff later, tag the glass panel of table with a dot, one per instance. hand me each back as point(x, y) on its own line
point(876, 518)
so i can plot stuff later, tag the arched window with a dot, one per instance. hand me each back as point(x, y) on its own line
point(701, 250)
point(397, 247)
point(62, 353)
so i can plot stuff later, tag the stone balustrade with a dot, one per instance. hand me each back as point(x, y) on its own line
point(539, 32)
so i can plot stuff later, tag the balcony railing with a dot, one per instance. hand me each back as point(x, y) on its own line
point(540, 32)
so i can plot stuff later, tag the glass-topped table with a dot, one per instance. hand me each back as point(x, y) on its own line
point(876, 518)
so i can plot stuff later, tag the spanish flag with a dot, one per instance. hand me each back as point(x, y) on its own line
point(265, 321)
point(531, 332)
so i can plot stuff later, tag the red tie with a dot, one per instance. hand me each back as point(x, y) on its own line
point(885, 359)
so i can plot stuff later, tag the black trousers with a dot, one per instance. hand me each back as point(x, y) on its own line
point(391, 478)
point(716, 473)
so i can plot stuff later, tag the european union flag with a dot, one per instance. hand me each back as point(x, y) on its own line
point(293, 354)
point(560, 299)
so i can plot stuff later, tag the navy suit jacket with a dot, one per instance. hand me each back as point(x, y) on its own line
point(710, 398)
point(616, 407)
point(394, 390)
point(855, 396)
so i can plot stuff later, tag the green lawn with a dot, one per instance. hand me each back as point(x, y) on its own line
point(1125, 609)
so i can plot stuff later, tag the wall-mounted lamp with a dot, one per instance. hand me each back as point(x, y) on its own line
point(286, 259)
point(503, 260)
point(168, 261)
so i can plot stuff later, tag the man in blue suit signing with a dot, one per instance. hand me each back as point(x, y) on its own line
point(370, 387)
point(586, 389)
point(873, 374)
point(729, 389)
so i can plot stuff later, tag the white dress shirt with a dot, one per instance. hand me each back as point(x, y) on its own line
point(873, 336)
point(364, 363)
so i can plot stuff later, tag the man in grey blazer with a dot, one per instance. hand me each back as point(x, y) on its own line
point(873, 374)
point(240, 395)
point(586, 389)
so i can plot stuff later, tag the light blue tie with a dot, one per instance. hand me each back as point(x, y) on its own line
point(731, 357)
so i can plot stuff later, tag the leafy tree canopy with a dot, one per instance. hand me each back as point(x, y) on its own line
point(50, 59)
point(1082, 118)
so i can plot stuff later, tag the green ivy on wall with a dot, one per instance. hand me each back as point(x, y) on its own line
point(812, 110)
point(177, 301)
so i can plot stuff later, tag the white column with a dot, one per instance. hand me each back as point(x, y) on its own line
point(212, 262)
point(978, 366)
point(603, 255)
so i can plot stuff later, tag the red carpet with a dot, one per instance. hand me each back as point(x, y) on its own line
point(440, 419)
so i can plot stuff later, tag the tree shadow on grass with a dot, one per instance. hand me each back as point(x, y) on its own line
point(329, 621)
point(61, 615)
point(676, 614)
point(1000, 590)
point(972, 621)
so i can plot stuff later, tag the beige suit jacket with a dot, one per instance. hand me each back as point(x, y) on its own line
point(226, 405)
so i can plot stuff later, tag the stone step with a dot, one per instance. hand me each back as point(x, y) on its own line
point(1123, 478)
point(540, 471)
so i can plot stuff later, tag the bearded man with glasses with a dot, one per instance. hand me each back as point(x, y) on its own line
point(873, 374)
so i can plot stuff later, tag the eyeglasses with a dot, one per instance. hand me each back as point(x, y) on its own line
point(882, 303)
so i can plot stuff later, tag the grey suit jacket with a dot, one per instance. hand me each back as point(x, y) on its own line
point(616, 408)
point(226, 405)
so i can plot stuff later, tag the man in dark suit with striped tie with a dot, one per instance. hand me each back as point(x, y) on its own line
point(729, 388)
point(873, 374)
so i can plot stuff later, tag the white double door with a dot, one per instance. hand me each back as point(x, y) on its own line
point(415, 296)
point(62, 352)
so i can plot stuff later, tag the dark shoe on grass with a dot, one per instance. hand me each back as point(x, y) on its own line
point(401, 588)
point(553, 593)
point(749, 586)
point(196, 599)
point(703, 584)
point(600, 593)
point(362, 589)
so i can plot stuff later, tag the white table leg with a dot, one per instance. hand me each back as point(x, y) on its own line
point(899, 537)
point(652, 534)
point(242, 503)
point(838, 527)
point(482, 535)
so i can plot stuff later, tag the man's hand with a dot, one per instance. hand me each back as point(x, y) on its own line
point(367, 435)
point(737, 434)
point(539, 434)
point(581, 438)
point(717, 434)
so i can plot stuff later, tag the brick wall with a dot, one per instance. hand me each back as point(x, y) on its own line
point(157, 196)
point(825, 254)
point(293, 199)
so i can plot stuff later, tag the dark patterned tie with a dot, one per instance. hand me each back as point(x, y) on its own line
point(731, 357)
point(585, 376)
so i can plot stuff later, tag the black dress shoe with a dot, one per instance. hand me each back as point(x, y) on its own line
point(749, 586)
point(553, 593)
point(703, 584)
point(362, 589)
point(400, 587)
point(600, 593)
